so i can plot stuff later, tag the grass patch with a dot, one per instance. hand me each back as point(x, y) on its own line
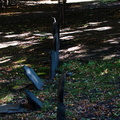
point(106, 0)
point(96, 81)
point(91, 88)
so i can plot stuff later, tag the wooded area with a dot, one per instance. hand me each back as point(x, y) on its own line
point(6, 3)
point(60, 61)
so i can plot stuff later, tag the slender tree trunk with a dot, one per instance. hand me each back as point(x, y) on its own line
point(4, 3)
point(63, 12)
point(61, 9)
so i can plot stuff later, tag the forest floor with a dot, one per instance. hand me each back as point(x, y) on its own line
point(90, 38)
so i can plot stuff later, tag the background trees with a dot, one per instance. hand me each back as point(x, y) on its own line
point(5, 3)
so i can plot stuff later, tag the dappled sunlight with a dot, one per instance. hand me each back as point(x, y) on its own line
point(71, 55)
point(93, 39)
point(86, 30)
point(65, 29)
point(4, 81)
point(104, 72)
point(113, 41)
point(99, 29)
point(24, 39)
point(72, 49)
point(32, 3)
point(7, 98)
point(95, 23)
point(66, 53)
point(42, 34)
point(5, 59)
point(19, 61)
point(29, 38)
point(67, 37)
point(101, 49)
point(21, 13)
point(82, 50)
point(18, 35)
point(92, 24)
point(17, 66)
point(15, 43)
point(74, 1)
point(11, 13)
point(1, 33)
point(71, 32)
point(108, 57)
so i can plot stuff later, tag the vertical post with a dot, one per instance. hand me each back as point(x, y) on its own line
point(2, 4)
point(6, 3)
point(61, 106)
point(61, 11)
point(53, 64)
point(56, 35)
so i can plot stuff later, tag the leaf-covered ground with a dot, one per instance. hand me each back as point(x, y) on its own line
point(90, 52)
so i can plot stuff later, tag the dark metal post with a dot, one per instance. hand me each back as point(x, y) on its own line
point(61, 107)
point(56, 35)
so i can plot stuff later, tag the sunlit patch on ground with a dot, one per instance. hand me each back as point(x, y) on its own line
point(113, 41)
point(18, 35)
point(31, 3)
point(5, 59)
point(111, 56)
point(4, 81)
point(7, 98)
point(67, 38)
point(15, 43)
point(77, 52)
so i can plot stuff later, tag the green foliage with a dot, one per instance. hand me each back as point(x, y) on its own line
point(94, 80)
point(106, 0)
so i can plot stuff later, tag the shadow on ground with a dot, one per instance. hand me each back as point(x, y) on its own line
point(95, 36)
point(25, 39)
point(90, 33)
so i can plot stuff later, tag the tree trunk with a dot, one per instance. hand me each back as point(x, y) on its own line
point(5, 3)
point(61, 6)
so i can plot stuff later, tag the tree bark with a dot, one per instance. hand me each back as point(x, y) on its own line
point(61, 9)
point(5, 3)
